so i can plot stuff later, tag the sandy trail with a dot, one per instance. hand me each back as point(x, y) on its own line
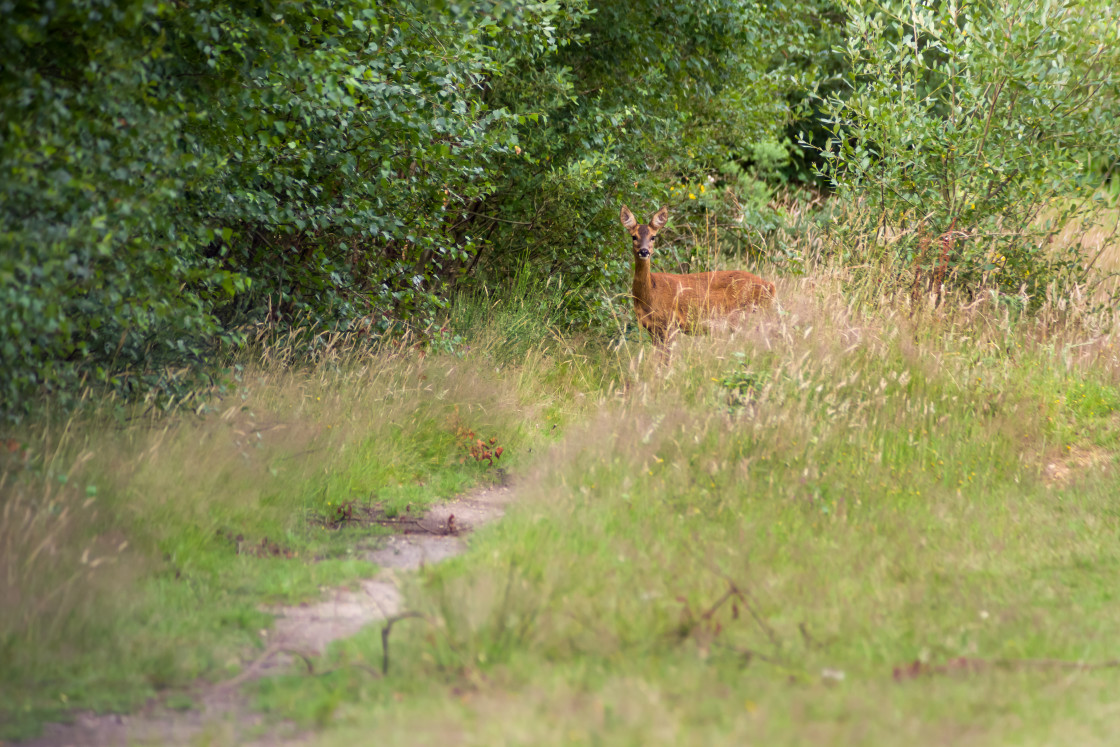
point(221, 715)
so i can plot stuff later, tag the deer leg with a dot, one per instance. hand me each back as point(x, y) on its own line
point(667, 341)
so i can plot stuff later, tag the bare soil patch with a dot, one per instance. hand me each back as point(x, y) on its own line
point(1066, 465)
point(218, 718)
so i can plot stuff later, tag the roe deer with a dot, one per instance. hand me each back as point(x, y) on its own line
point(666, 303)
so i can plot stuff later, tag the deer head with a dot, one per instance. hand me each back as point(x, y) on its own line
point(643, 234)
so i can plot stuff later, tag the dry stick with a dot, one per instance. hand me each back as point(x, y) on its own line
point(303, 655)
point(918, 669)
point(397, 522)
point(385, 637)
point(810, 641)
point(481, 248)
point(770, 632)
point(247, 673)
point(749, 603)
point(731, 592)
point(749, 654)
point(350, 665)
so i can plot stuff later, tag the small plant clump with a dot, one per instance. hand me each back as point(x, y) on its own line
point(343, 513)
point(743, 384)
point(477, 448)
point(265, 548)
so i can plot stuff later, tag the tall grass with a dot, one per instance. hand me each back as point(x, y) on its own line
point(825, 419)
point(136, 546)
point(748, 541)
point(768, 521)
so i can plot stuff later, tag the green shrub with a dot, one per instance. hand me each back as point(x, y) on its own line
point(966, 136)
point(173, 173)
point(170, 171)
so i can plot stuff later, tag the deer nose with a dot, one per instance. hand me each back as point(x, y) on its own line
point(643, 253)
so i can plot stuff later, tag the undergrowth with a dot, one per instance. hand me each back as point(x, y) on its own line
point(850, 519)
point(859, 515)
point(138, 548)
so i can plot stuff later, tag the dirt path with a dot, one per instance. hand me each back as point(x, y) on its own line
point(221, 714)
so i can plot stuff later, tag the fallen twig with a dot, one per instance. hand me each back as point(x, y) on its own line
point(919, 668)
point(385, 637)
point(247, 673)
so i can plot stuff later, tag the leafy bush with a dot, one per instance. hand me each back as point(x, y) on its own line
point(644, 96)
point(172, 173)
point(967, 132)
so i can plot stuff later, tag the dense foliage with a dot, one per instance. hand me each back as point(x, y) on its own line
point(173, 171)
point(170, 170)
point(968, 132)
point(172, 174)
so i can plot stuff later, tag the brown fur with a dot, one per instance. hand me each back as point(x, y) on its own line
point(665, 303)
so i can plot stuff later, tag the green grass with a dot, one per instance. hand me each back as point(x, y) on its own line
point(743, 544)
point(701, 557)
point(135, 559)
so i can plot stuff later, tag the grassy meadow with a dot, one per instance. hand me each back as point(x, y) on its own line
point(859, 519)
point(136, 549)
point(846, 524)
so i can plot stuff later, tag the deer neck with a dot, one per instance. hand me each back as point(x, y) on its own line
point(642, 288)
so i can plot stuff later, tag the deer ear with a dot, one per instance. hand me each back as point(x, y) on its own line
point(658, 220)
point(627, 218)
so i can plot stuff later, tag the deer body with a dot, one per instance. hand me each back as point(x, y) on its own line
point(666, 303)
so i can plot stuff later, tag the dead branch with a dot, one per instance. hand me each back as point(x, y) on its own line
point(250, 671)
point(919, 668)
point(386, 630)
